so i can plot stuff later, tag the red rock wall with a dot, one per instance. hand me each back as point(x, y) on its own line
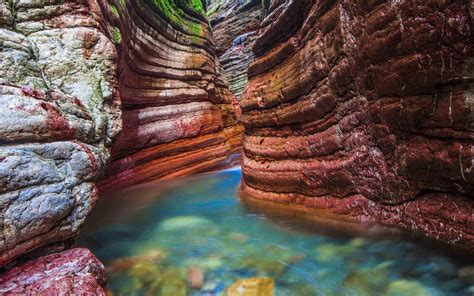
point(365, 109)
point(178, 115)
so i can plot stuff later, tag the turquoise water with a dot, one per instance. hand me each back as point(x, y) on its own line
point(150, 238)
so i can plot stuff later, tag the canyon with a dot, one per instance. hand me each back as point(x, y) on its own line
point(361, 111)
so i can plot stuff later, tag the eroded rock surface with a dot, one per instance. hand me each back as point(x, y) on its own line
point(365, 109)
point(59, 112)
point(72, 272)
point(235, 25)
point(179, 116)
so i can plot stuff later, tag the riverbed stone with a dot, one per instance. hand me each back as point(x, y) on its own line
point(257, 286)
point(467, 274)
point(407, 287)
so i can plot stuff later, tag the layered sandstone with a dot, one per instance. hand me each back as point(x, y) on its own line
point(72, 272)
point(235, 25)
point(179, 117)
point(59, 111)
point(365, 110)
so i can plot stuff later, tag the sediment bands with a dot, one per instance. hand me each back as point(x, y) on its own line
point(365, 109)
point(179, 116)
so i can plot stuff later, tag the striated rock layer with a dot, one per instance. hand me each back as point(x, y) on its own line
point(59, 111)
point(235, 25)
point(179, 117)
point(365, 110)
point(72, 272)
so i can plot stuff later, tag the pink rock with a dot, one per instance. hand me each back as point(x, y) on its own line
point(72, 272)
point(195, 277)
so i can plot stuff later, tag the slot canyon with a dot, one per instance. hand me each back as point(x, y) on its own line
point(358, 113)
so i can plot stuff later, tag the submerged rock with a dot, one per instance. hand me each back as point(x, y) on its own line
point(467, 274)
point(181, 223)
point(72, 272)
point(368, 280)
point(123, 264)
point(172, 283)
point(251, 287)
point(406, 287)
point(195, 277)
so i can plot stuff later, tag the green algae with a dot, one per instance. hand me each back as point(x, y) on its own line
point(174, 13)
point(116, 35)
point(114, 10)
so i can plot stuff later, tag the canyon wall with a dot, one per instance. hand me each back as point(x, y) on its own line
point(179, 117)
point(364, 110)
point(235, 25)
point(72, 74)
point(59, 111)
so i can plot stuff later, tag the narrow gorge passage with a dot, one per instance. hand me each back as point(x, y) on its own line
point(349, 125)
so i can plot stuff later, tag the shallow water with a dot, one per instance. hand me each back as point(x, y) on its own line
point(149, 239)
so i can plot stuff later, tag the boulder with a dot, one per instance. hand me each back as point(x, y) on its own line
point(59, 112)
point(72, 272)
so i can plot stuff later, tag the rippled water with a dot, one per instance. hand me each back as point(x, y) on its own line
point(152, 239)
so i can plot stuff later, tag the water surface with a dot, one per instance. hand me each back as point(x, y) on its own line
point(151, 239)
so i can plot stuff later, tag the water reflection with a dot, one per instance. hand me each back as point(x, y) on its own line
point(195, 237)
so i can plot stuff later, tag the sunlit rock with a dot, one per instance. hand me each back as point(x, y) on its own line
point(251, 287)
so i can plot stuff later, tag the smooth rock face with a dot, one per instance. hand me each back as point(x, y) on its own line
point(365, 109)
point(72, 272)
point(59, 112)
point(235, 25)
point(179, 117)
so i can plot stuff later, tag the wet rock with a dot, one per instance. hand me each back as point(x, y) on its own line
point(368, 281)
point(72, 272)
point(328, 252)
point(145, 272)
point(251, 287)
point(272, 262)
point(172, 283)
point(352, 111)
point(406, 287)
point(195, 277)
point(467, 274)
point(238, 236)
point(181, 223)
point(123, 264)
